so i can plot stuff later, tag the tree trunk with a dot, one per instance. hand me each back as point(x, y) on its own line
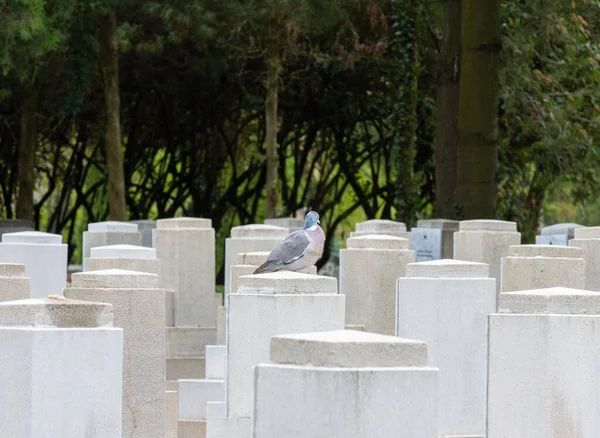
point(109, 61)
point(448, 92)
point(406, 110)
point(478, 110)
point(272, 86)
point(26, 157)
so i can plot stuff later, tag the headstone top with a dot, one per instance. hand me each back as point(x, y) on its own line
point(448, 268)
point(183, 222)
point(286, 282)
point(32, 237)
point(554, 300)
point(113, 226)
point(545, 251)
point(115, 279)
point(438, 224)
point(487, 225)
point(12, 270)
point(377, 241)
point(286, 222)
point(259, 231)
point(252, 258)
point(583, 233)
point(348, 349)
point(380, 225)
point(566, 228)
point(55, 311)
point(144, 223)
point(123, 252)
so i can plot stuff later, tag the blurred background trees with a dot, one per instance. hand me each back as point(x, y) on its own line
point(239, 110)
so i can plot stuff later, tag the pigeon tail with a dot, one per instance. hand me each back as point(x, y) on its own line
point(265, 267)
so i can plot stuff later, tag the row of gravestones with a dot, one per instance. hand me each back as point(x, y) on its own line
point(185, 239)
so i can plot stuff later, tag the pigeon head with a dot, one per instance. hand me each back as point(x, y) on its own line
point(311, 220)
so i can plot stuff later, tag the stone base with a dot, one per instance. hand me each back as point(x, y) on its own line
point(195, 393)
point(216, 361)
point(189, 341)
point(172, 414)
point(229, 428)
point(185, 368)
point(191, 429)
point(221, 325)
point(172, 385)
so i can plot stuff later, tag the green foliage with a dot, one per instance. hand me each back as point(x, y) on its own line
point(30, 30)
point(550, 113)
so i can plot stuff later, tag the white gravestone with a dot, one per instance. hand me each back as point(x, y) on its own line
point(139, 308)
point(109, 233)
point(292, 224)
point(14, 284)
point(381, 226)
point(146, 228)
point(345, 384)
point(45, 259)
point(433, 239)
point(186, 248)
point(430, 300)
point(486, 241)
point(267, 305)
point(543, 374)
point(557, 234)
point(588, 239)
point(369, 268)
point(250, 238)
point(540, 266)
point(60, 369)
point(14, 226)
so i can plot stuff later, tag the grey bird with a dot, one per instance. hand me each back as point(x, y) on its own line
point(299, 250)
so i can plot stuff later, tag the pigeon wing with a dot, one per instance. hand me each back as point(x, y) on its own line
point(291, 249)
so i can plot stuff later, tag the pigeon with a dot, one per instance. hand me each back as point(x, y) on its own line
point(300, 249)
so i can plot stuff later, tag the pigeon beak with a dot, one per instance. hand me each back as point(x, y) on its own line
point(319, 221)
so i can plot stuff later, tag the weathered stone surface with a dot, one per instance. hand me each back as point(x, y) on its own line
point(448, 269)
point(347, 348)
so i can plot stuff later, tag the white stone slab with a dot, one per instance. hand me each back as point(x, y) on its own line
point(32, 237)
point(445, 303)
point(123, 252)
point(172, 413)
point(448, 268)
point(291, 224)
point(487, 225)
point(269, 305)
point(194, 394)
point(48, 345)
point(14, 285)
point(183, 222)
point(543, 365)
point(486, 241)
point(379, 399)
point(139, 308)
point(567, 229)
point(380, 225)
point(216, 361)
point(215, 410)
point(557, 239)
point(540, 266)
point(186, 248)
point(108, 233)
point(347, 348)
point(369, 268)
point(146, 228)
point(44, 257)
point(587, 233)
point(427, 244)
